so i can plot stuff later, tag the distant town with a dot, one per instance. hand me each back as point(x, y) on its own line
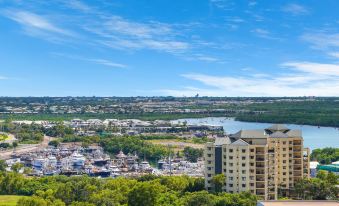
point(96, 137)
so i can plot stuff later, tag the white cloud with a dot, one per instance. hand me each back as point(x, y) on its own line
point(108, 63)
point(33, 21)
point(334, 54)
point(302, 79)
point(3, 78)
point(322, 40)
point(78, 5)
point(262, 33)
point(314, 68)
point(119, 33)
point(104, 62)
point(295, 9)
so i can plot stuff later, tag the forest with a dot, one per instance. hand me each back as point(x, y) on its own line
point(140, 191)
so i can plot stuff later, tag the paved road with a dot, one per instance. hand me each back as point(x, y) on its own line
point(21, 149)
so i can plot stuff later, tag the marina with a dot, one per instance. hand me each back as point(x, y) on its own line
point(92, 161)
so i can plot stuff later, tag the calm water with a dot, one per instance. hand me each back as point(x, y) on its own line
point(314, 137)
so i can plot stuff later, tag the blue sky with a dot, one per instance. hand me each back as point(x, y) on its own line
point(169, 47)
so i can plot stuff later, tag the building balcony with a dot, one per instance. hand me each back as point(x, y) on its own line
point(260, 165)
point(259, 159)
point(260, 179)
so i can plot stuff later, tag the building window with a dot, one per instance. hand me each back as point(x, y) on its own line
point(243, 178)
point(209, 148)
point(252, 150)
point(224, 170)
point(284, 161)
point(230, 178)
point(290, 142)
point(230, 150)
point(209, 155)
point(243, 150)
point(231, 185)
point(243, 157)
point(231, 171)
point(252, 164)
point(284, 155)
point(231, 164)
point(224, 156)
point(243, 185)
point(243, 171)
point(252, 184)
point(243, 164)
point(252, 157)
point(231, 157)
point(284, 142)
point(209, 175)
point(284, 173)
point(209, 168)
point(284, 149)
point(209, 162)
point(225, 163)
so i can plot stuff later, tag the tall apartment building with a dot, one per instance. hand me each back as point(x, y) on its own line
point(263, 162)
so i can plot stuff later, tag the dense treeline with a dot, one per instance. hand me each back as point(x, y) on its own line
point(326, 155)
point(320, 112)
point(147, 190)
point(141, 116)
point(323, 187)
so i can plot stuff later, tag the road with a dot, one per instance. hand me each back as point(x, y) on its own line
point(21, 149)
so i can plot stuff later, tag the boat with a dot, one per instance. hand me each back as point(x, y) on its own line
point(100, 161)
point(78, 159)
point(39, 162)
point(102, 172)
point(145, 166)
point(52, 161)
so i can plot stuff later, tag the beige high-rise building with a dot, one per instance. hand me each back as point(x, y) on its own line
point(265, 162)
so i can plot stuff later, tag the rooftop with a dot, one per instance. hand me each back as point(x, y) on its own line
point(298, 203)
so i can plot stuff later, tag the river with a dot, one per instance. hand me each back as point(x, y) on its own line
point(314, 137)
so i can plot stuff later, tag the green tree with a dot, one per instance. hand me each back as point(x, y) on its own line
point(144, 193)
point(3, 165)
point(192, 154)
point(16, 167)
point(218, 182)
point(202, 198)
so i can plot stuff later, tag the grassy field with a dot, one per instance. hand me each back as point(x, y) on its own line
point(9, 200)
point(176, 144)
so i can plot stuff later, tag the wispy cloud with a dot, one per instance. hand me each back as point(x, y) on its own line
point(100, 61)
point(314, 68)
point(108, 63)
point(120, 33)
point(263, 33)
point(222, 4)
point(31, 21)
point(3, 78)
point(334, 54)
point(302, 79)
point(78, 5)
point(322, 40)
point(295, 9)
